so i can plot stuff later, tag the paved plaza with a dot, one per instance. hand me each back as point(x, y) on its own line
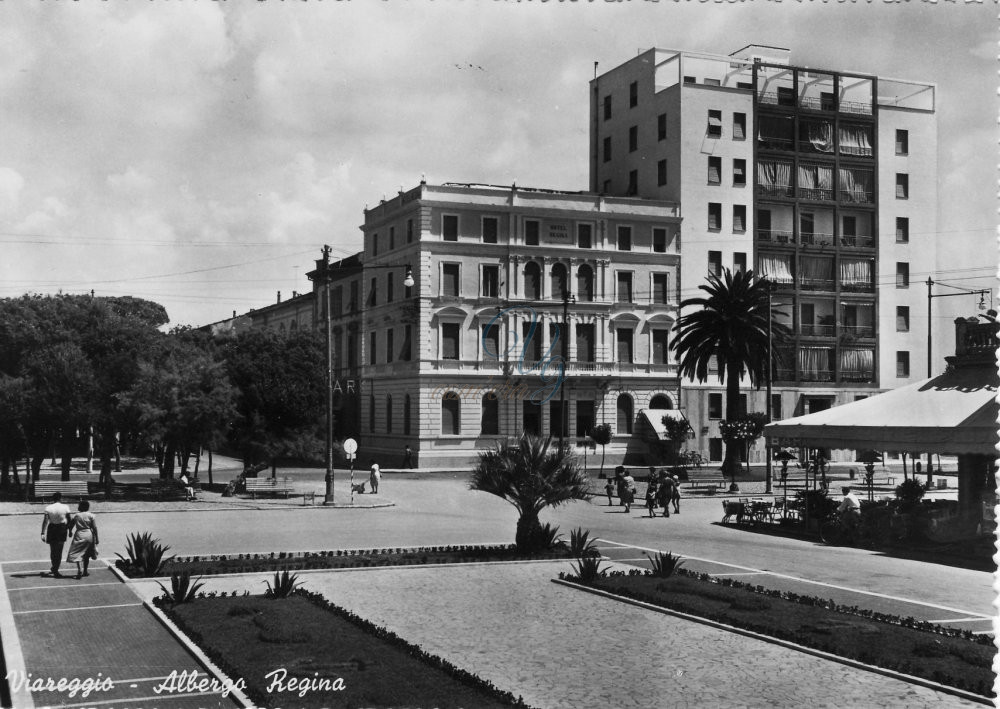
point(508, 623)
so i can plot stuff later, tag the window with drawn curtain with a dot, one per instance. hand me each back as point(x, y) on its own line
point(774, 178)
point(856, 274)
point(816, 272)
point(815, 364)
point(857, 364)
point(855, 185)
point(776, 267)
point(815, 182)
point(855, 140)
point(816, 136)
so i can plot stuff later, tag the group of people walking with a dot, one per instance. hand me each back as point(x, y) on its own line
point(59, 523)
point(662, 490)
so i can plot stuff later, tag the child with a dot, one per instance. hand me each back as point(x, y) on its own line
point(651, 498)
point(609, 488)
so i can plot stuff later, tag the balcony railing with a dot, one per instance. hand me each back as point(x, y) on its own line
point(770, 142)
point(817, 330)
point(857, 331)
point(774, 190)
point(857, 375)
point(856, 196)
point(857, 287)
point(816, 284)
point(784, 374)
point(815, 238)
point(858, 241)
point(816, 193)
point(856, 107)
point(856, 152)
point(814, 103)
point(776, 236)
point(817, 375)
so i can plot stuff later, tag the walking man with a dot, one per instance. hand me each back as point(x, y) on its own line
point(408, 457)
point(55, 524)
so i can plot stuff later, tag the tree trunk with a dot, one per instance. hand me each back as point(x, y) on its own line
point(118, 452)
point(604, 452)
point(731, 462)
point(197, 462)
point(209, 466)
point(169, 455)
point(527, 530)
point(67, 455)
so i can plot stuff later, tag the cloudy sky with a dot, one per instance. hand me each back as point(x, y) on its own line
point(200, 154)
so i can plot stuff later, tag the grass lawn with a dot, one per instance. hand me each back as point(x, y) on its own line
point(296, 639)
point(954, 660)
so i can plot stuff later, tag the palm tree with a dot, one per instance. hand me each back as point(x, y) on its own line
point(531, 477)
point(731, 325)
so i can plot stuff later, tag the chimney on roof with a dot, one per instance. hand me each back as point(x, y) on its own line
point(234, 313)
point(295, 294)
point(279, 296)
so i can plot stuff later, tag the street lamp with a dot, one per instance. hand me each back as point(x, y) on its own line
point(327, 276)
point(963, 291)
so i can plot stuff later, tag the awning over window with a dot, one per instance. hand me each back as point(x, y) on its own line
point(654, 419)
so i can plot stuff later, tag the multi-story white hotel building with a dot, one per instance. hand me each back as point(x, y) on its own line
point(508, 281)
point(824, 181)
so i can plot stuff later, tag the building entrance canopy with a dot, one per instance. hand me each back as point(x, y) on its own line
point(954, 413)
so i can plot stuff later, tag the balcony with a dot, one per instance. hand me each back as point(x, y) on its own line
point(816, 194)
point(815, 103)
point(821, 284)
point(857, 331)
point(817, 375)
point(781, 191)
point(857, 375)
point(857, 242)
point(770, 142)
point(857, 287)
point(776, 236)
point(815, 238)
point(817, 330)
point(856, 107)
point(857, 196)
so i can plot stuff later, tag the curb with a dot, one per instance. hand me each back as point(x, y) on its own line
point(13, 656)
point(929, 684)
point(219, 507)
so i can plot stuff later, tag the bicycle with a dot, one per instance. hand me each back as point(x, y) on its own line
point(869, 531)
point(837, 531)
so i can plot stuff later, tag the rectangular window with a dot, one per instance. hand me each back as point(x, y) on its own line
point(902, 230)
point(409, 231)
point(786, 96)
point(850, 227)
point(715, 449)
point(660, 347)
point(449, 227)
point(690, 80)
point(633, 183)
point(491, 342)
point(715, 406)
point(491, 228)
point(739, 126)
point(584, 236)
point(714, 216)
point(902, 318)
point(337, 301)
point(450, 333)
point(715, 263)
point(607, 187)
point(372, 344)
point(607, 149)
point(807, 226)
point(585, 418)
point(388, 345)
point(450, 278)
point(659, 240)
point(739, 218)
point(373, 293)
point(902, 142)
point(624, 287)
point(739, 172)
point(902, 185)
point(776, 407)
point(902, 364)
point(354, 297)
point(557, 418)
point(531, 231)
point(661, 172)
point(624, 238)
point(902, 274)
point(374, 244)
point(661, 126)
point(633, 139)
point(623, 338)
point(531, 337)
point(607, 107)
point(585, 343)
point(405, 353)
point(491, 282)
point(739, 262)
point(390, 287)
point(714, 129)
point(714, 170)
point(633, 94)
point(392, 238)
point(661, 287)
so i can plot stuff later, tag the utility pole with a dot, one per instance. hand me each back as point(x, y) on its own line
point(328, 497)
point(767, 373)
point(565, 357)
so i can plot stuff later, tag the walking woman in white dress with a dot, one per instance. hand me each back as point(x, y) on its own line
point(83, 548)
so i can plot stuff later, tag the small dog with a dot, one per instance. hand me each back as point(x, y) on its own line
point(359, 488)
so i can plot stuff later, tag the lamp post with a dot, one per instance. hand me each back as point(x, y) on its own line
point(767, 404)
point(963, 291)
point(327, 276)
point(567, 298)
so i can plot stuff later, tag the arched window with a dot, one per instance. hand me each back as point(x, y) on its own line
point(450, 410)
point(625, 414)
point(371, 413)
point(532, 281)
point(406, 415)
point(585, 283)
point(559, 284)
point(388, 413)
point(491, 414)
point(661, 401)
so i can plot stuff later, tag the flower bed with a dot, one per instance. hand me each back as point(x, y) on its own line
point(950, 657)
point(342, 559)
point(303, 651)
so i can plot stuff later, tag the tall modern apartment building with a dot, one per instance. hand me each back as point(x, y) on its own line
point(824, 181)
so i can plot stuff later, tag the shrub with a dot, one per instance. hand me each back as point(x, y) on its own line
point(581, 545)
point(547, 537)
point(145, 554)
point(665, 564)
point(181, 588)
point(588, 568)
point(909, 493)
point(284, 585)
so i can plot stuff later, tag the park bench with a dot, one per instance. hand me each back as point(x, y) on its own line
point(268, 486)
point(68, 488)
point(170, 488)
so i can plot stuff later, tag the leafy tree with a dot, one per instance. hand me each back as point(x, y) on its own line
point(729, 324)
point(601, 435)
point(531, 475)
point(677, 432)
point(743, 431)
point(281, 403)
